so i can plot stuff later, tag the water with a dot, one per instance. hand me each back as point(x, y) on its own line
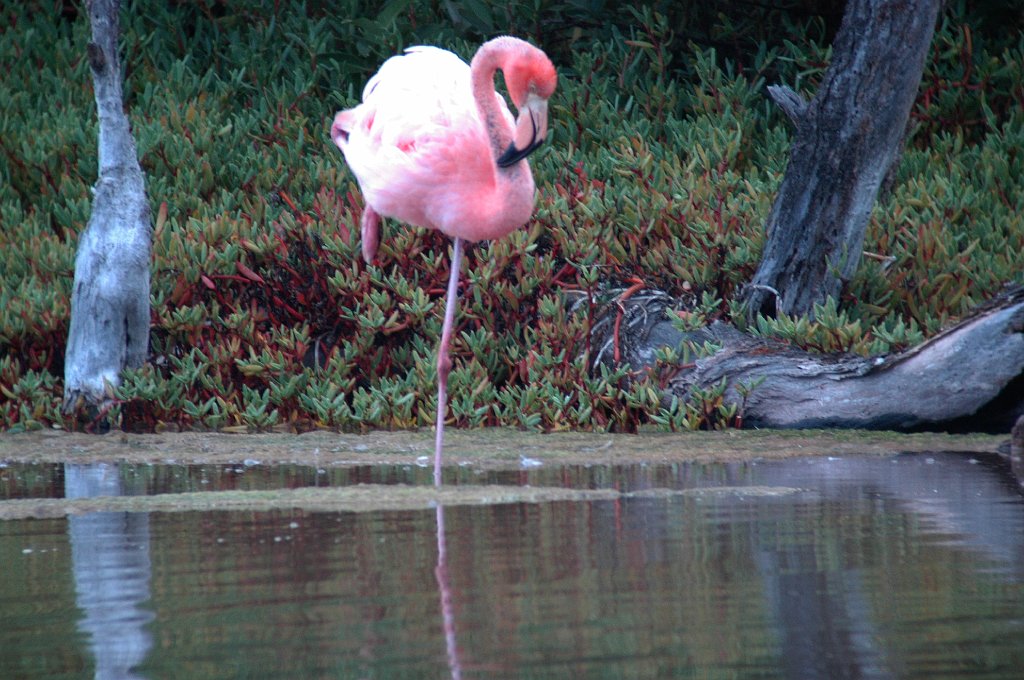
point(876, 567)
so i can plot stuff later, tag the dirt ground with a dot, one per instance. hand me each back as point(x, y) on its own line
point(482, 449)
point(492, 449)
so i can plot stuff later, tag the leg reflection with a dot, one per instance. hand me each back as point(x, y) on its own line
point(447, 608)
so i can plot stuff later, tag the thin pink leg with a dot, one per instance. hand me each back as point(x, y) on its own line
point(444, 363)
point(369, 233)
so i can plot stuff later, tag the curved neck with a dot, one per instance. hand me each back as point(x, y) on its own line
point(487, 60)
point(507, 196)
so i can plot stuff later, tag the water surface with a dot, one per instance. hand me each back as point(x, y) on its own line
point(859, 566)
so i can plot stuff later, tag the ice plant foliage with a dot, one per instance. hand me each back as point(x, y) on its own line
point(663, 161)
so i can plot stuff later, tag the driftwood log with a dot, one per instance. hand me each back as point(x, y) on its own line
point(968, 377)
point(109, 328)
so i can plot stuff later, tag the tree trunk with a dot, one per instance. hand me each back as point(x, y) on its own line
point(846, 139)
point(110, 299)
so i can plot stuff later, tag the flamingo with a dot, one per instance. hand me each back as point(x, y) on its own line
point(434, 145)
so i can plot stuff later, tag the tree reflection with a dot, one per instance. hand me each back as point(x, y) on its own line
point(111, 565)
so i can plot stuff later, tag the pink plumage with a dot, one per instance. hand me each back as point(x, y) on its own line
point(433, 145)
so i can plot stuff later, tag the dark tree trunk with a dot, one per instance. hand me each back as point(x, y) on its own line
point(110, 299)
point(846, 139)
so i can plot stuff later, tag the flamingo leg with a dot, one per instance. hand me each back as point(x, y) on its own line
point(369, 233)
point(444, 363)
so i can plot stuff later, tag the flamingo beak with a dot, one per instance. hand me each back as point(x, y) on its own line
point(340, 127)
point(531, 129)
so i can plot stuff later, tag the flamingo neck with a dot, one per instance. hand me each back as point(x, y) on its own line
point(486, 62)
point(510, 200)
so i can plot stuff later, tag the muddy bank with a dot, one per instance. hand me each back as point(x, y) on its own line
point(362, 498)
point(491, 449)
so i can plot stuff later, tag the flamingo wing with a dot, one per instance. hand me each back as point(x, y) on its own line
point(416, 143)
point(436, 78)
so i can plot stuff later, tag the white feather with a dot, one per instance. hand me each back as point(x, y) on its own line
point(406, 141)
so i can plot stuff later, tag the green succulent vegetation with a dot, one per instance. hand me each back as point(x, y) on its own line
point(664, 159)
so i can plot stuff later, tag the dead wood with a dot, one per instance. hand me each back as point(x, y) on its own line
point(968, 377)
point(846, 139)
point(109, 328)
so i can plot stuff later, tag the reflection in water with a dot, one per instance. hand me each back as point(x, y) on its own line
point(447, 606)
point(831, 607)
point(111, 567)
point(910, 566)
point(815, 608)
point(960, 500)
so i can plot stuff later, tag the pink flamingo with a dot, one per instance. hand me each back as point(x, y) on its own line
point(433, 145)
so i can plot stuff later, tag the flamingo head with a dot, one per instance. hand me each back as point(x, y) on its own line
point(531, 79)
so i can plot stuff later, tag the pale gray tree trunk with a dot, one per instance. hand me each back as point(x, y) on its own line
point(846, 139)
point(110, 299)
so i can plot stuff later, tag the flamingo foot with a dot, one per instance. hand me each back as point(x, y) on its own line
point(444, 363)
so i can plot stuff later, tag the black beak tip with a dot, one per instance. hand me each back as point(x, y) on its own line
point(513, 155)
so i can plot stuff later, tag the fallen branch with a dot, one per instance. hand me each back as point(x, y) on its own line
point(973, 370)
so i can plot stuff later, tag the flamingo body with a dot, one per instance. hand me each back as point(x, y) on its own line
point(420, 151)
point(433, 145)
